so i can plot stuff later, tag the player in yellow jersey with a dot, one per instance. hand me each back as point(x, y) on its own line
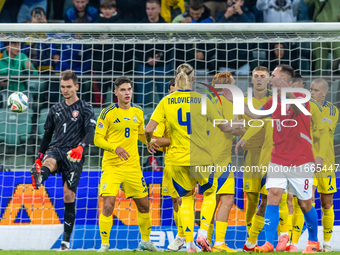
point(254, 142)
point(221, 145)
point(324, 181)
point(168, 188)
point(119, 127)
point(252, 150)
point(191, 159)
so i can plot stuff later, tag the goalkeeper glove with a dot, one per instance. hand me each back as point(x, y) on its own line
point(76, 154)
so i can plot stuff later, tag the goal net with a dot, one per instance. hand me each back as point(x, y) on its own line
point(32, 58)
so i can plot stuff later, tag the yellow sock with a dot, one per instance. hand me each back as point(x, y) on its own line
point(207, 210)
point(252, 202)
point(144, 223)
point(290, 225)
point(256, 227)
point(210, 232)
point(297, 221)
point(105, 225)
point(188, 217)
point(221, 230)
point(283, 208)
point(327, 223)
point(180, 230)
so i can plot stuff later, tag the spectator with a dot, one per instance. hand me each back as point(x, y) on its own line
point(305, 12)
point(235, 13)
point(251, 6)
point(215, 6)
point(152, 59)
point(77, 58)
point(80, 9)
point(278, 10)
point(58, 9)
point(43, 55)
point(130, 10)
point(110, 60)
point(13, 62)
point(199, 56)
point(153, 10)
point(108, 12)
point(27, 7)
point(325, 11)
point(9, 11)
point(171, 8)
point(278, 55)
point(198, 13)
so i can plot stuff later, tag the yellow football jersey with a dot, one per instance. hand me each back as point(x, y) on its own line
point(162, 130)
point(120, 128)
point(316, 126)
point(330, 118)
point(221, 143)
point(257, 140)
point(182, 111)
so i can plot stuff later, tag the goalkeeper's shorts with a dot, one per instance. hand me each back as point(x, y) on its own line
point(168, 188)
point(185, 179)
point(129, 177)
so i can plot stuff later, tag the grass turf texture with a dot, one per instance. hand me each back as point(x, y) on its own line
point(123, 252)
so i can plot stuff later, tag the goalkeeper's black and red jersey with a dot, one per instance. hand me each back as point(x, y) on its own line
point(68, 123)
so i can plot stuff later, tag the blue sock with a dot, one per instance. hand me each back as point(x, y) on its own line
point(271, 221)
point(311, 219)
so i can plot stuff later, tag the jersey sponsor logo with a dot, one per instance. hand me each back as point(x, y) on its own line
point(101, 125)
point(117, 121)
point(93, 121)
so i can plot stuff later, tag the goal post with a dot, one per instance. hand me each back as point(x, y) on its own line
point(99, 53)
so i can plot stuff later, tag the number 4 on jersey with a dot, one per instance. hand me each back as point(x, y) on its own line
point(186, 123)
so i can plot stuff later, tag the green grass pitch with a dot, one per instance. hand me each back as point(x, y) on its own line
point(119, 252)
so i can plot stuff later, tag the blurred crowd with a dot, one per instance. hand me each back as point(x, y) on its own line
point(20, 61)
point(161, 11)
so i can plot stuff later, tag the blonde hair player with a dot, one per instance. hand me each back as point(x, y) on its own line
point(324, 181)
point(190, 155)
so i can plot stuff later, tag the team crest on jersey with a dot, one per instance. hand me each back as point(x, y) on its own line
point(101, 125)
point(75, 114)
point(127, 119)
point(134, 119)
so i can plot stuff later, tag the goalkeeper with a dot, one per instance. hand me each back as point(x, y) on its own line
point(71, 123)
